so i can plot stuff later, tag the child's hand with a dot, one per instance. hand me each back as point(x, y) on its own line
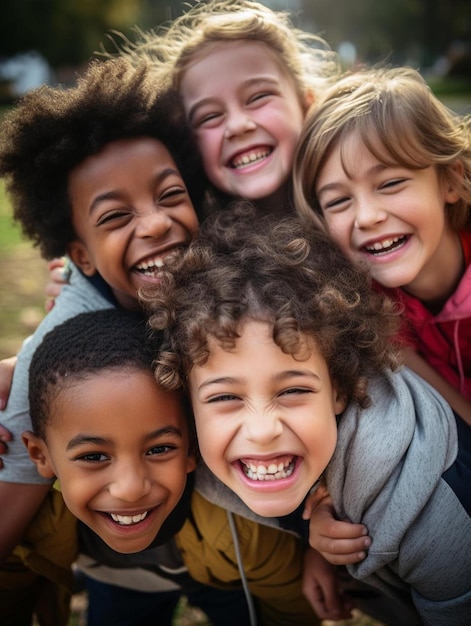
point(340, 543)
point(321, 588)
point(7, 367)
point(57, 279)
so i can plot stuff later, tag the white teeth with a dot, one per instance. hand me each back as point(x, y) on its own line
point(249, 158)
point(384, 245)
point(271, 472)
point(149, 267)
point(127, 520)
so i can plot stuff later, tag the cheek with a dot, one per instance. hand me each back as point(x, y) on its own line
point(206, 142)
point(76, 495)
point(203, 434)
point(325, 441)
point(339, 231)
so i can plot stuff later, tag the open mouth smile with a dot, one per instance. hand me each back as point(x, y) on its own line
point(128, 520)
point(152, 266)
point(277, 469)
point(387, 245)
point(249, 158)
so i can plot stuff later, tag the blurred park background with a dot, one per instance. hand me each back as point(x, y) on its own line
point(51, 41)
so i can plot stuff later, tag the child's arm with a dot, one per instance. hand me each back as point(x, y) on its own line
point(57, 279)
point(22, 500)
point(21, 503)
point(340, 543)
point(7, 367)
point(321, 587)
point(457, 402)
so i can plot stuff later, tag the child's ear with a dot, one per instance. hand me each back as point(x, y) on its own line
point(340, 403)
point(457, 172)
point(37, 451)
point(79, 254)
point(191, 463)
point(309, 99)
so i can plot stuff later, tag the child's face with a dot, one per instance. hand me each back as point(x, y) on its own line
point(246, 115)
point(265, 421)
point(118, 443)
point(131, 210)
point(391, 217)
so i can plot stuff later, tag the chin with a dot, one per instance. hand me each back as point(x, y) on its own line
point(127, 547)
point(271, 508)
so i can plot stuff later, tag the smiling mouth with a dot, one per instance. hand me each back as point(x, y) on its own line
point(386, 246)
point(275, 470)
point(152, 267)
point(128, 520)
point(250, 158)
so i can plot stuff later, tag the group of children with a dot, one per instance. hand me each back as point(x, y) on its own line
point(289, 358)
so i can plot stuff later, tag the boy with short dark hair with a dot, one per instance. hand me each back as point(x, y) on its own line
point(122, 447)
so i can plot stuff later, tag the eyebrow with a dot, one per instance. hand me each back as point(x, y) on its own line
point(336, 185)
point(82, 438)
point(113, 195)
point(247, 83)
point(285, 375)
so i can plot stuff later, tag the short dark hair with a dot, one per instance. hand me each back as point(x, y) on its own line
point(85, 345)
point(292, 276)
point(52, 130)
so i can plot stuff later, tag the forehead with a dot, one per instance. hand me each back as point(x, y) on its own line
point(227, 62)
point(256, 343)
point(118, 404)
point(116, 155)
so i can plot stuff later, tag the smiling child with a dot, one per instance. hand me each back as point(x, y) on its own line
point(122, 449)
point(288, 356)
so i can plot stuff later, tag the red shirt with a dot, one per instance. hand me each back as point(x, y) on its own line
point(443, 339)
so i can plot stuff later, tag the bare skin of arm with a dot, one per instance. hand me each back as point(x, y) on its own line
point(56, 281)
point(7, 367)
point(23, 502)
point(457, 402)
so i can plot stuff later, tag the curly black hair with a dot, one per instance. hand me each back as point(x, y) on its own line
point(286, 274)
point(52, 130)
point(85, 345)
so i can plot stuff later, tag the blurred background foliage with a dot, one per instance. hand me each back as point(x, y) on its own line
point(432, 35)
point(51, 41)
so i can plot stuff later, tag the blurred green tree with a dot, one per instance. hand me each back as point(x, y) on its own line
point(67, 32)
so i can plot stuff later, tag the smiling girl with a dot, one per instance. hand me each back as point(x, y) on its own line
point(387, 168)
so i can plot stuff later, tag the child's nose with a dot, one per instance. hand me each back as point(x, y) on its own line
point(154, 223)
point(368, 213)
point(262, 426)
point(238, 122)
point(130, 483)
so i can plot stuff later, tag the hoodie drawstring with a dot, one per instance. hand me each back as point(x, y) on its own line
point(243, 577)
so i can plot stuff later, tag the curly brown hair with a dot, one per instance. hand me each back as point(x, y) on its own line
point(52, 130)
point(293, 277)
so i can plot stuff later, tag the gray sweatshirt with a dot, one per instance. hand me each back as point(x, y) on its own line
point(77, 297)
point(397, 468)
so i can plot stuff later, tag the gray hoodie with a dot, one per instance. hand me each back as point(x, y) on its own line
point(389, 471)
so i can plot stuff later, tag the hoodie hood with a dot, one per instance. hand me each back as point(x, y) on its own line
point(388, 461)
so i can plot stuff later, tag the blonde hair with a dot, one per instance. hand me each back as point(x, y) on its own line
point(172, 48)
point(400, 122)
